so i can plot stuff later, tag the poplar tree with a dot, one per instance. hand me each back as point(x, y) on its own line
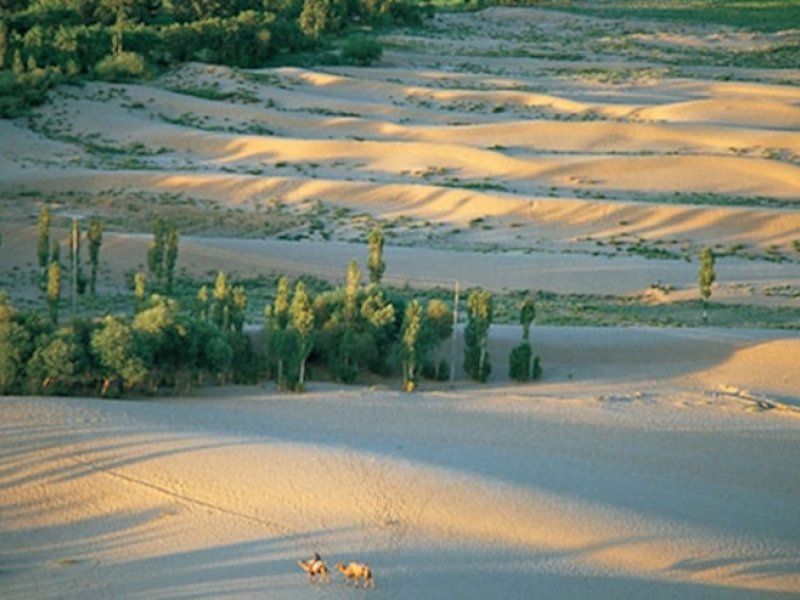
point(221, 311)
point(171, 258)
point(139, 291)
point(476, 335)
point(54, 284)
point(95, 237)
point(156, 250)
point(303, 326)
point(351, 291)
point(78, 279)
point(410, 344)
point(706, 278)
point(375, 262)
point(43, 243)
point(521, 363)
point(202, 303)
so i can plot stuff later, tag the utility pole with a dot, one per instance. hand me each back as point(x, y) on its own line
point(453, 340)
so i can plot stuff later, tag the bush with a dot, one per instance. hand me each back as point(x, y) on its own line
point(519, 362)
point(125, 66)
point(361, 50)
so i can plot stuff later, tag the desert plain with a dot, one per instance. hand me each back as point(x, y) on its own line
point(589, 159)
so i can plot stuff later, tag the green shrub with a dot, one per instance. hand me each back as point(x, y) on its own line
point(361, 50)
point(519, 362)
point(125, 66)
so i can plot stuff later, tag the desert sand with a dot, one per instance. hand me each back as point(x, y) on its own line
point(641, 467)
point(648, 463)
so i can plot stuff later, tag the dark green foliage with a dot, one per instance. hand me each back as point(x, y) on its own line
point(162, 253)
point(95, 237)
point(47, 43)
point(155, 251)
point(43, 241)
point(410, 350)
point(54, 286)
point(476, 335)
point(527, 313)
point(519, 362)
point(537, 368)
point(361, 50)
point(171, 257)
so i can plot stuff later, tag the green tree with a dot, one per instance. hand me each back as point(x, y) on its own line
point(476, 335)
point(352, 291)
point(156, 251)
point(706, 278)
point(115, 347)
point(221, 309)
point(281, 307)
point(16, 344)
point(54, 288)
point(202, 303)
point(171, 257)
point(438, 327)
point(139, 291)
point(53, 364)
point(3, 43)
point(410, 344)
point(322, 16)
point(521, 363)
point(77, 277)
point(527, 313)
point(43, 243)
point(95, 237)
point(375, 262)
point(303, 326)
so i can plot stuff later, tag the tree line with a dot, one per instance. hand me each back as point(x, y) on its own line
point(341, 334)
point(44, 42)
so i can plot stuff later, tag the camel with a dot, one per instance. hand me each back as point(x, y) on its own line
point(357, 572)
point(316, 568)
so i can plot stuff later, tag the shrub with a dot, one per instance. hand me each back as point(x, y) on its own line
point(361, 50)
point(125, 66)
point(519, 362)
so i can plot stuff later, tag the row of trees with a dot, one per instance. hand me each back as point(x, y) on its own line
point(341, 333)
point(43, 42)
point(49, 258)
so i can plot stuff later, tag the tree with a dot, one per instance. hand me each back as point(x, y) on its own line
point(156, 250)
point(522, 365)
point(352, 289)
point(438, 326)
point(322, 16)
point(303, 326)
point(3, 43)
point(476, 335)
point(410, 344)
point(706, 278)
point(114, 344)
point(16, 344)
point(519, 362)
point(202, 303)
point(173, 239)
point(54, 286)
point(527, 313)
point(95, 237)
point(76, 273)
point(43, 243)
point(139, 291)
point(220, 310)
point(53, 364)
point(375, 262)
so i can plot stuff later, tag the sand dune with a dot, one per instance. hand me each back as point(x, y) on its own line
point(635, 489)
